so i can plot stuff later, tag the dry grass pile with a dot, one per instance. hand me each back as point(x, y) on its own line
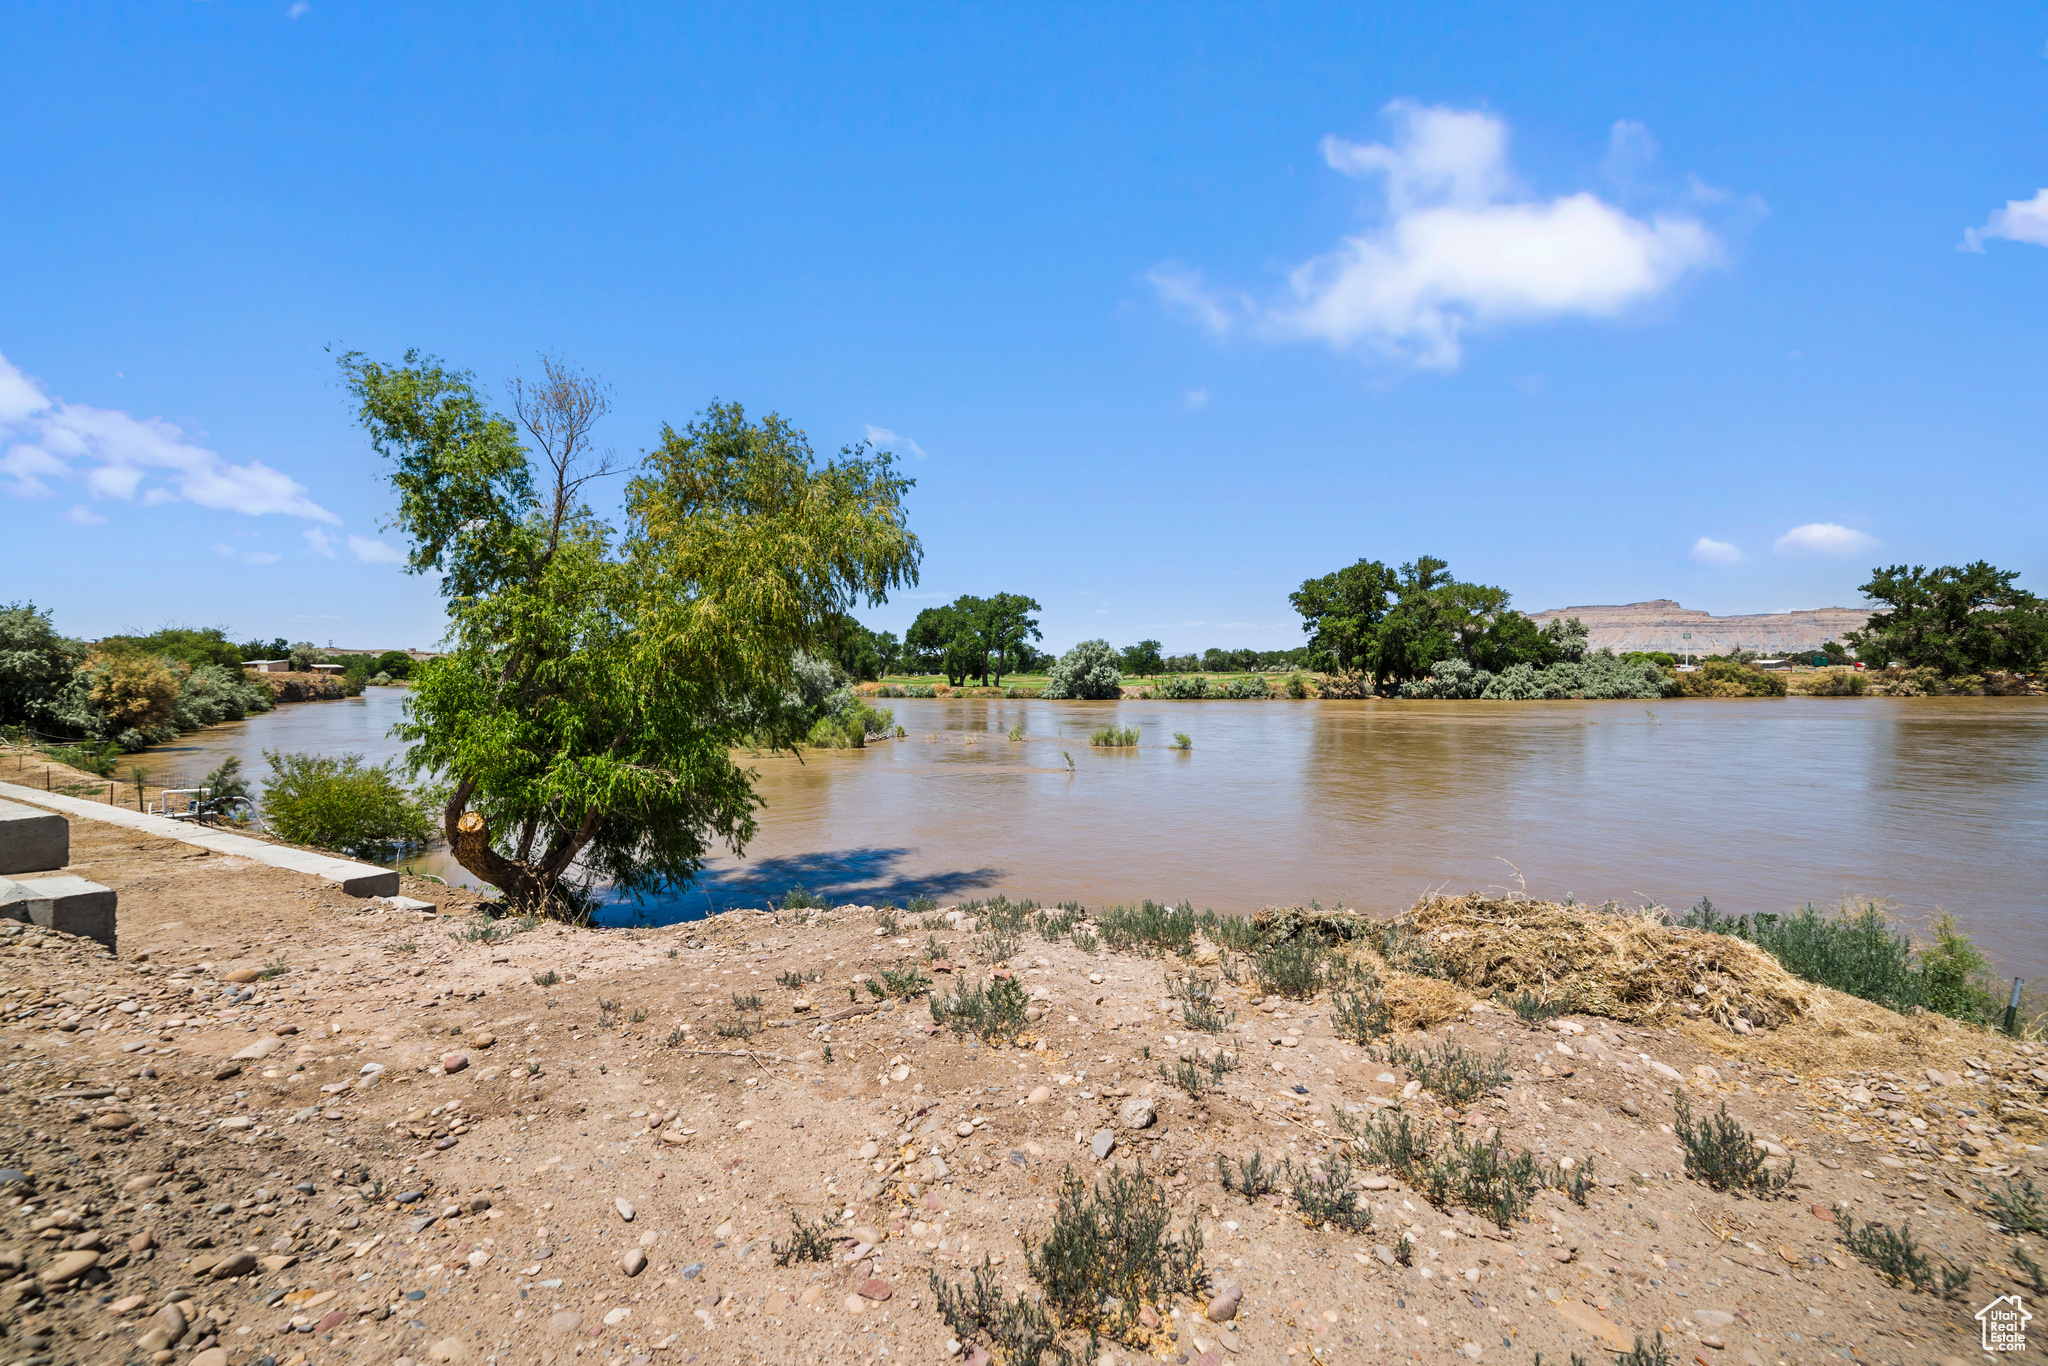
point(1622, 964)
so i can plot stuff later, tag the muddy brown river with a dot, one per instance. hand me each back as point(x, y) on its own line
point(1929, 804)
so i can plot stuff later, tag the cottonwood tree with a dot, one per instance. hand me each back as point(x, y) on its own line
point(600, 679)
point(1971, 620)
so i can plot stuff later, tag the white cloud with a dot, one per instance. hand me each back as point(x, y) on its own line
point(887, 440)
point(298, 9)
point(1459, 247)
point(1195, 398)
point(370, 550)
point(2021, 220)
point(1825, 538)
point(318, 541)
point(81, 515)
point(260, 557)
point(1184, 291)
point(1630, 149)
point(1707, 550)
point(220, 548)
point(45, 440)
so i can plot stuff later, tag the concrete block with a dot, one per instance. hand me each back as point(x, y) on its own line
point(32, 841)
point(69, 905)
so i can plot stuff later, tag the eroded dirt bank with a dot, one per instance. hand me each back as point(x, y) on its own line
point(285, 1125)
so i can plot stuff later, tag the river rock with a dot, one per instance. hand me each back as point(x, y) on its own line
point(1712, 1318)
point(238, 1264)
point(1223, 1306)
point(1101, 1145)
point(1138, 1113)
point(454, 1062)
point(449, 1349)
point(261, 1049)
point(241, 975)
point(1039, 1095)
point(625, 1210)
point(565, 1322)
point(634, 1262)
point(111, 1119)
point(875, 1288)
point(68, 1266)
point(482, 1040)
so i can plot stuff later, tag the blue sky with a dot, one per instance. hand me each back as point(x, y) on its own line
point(1168, 307)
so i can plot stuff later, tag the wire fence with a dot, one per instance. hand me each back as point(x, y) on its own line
point(54, 765)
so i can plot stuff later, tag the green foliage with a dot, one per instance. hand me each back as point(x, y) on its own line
point(1642, 1354)
point(1149, 928)
point(602, 683)
point(37, 667)
point(1477, 1173)
point(1183, 741)
point(99, 760)
point(393, 664)
point(1197, 995)
point(900, 982)
point(975, 638)
point(1141, 660)
point(1451, 1072)
point(1112, 1251)
point(1250, 687)
point(807, 1243)
point(1360, 1019)
point(1838, 683)
point(1405, 951)
point(801, 899)
point(1088, 671)
point(1323, 1197)
point(749, 1002)
point(1185, 688)
point(341, 803)
point(1251, 1179)
point(2020, 1207)
point(851, 725)
point(995, 1012)
point(1896, 1256)
point(1726, 678)
point(1864, 954)
point(1723, 1154)
point(546, 979)
point(1530, 1008)
point(796, 981)
point(1017, 1330)
point(1972, 620)
point(1114, 737)
point(1294, 968)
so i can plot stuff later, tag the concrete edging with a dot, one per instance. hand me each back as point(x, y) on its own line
point(355, 879)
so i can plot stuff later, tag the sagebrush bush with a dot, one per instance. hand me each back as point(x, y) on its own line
point(1185, 688)
point(1249, 688)
point(1726, 678)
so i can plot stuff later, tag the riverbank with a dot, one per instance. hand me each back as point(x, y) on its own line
point(349, 1131)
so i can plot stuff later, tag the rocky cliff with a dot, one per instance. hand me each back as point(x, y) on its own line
point(1662, 624)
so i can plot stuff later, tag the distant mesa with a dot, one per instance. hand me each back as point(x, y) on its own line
point(1661, 624)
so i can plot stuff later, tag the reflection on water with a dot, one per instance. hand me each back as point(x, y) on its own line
point(1931, 803)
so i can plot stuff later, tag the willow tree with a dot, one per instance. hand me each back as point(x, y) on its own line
point(600, 681)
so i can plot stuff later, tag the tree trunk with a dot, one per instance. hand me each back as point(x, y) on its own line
point(528, 890)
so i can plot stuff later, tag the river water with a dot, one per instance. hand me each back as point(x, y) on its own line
point(1930, 804)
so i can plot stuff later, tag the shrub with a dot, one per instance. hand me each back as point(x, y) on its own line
point(2019, 1207)
point(1532, 1009)
point(1360, 1019)
point(1183, 741)
point(1894, 1255)
point(1727, 678)
point(1837, 683)
point(342, 803)
point(1452, 1073)
point(1249, 688)
point(1953, 973)
point(1323, 1197)
point(918, 690)
point(1149, 928)
point(1293, 968)
point(1185, 688)
point(1296, 686)
point(133, 690)
point(1477, 1173)
point(899, 982)
point(994, 1012)
point(1448, 680)
point(1722, 1153)
point(1018, 1331)
point(1111, 1252)
point(1252, 1179)
point(1112, 737)
point(1087, 671)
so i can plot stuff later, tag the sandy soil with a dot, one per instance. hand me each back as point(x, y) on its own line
point(397, 1144)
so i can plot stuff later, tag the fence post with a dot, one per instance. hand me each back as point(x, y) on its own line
point(2012, 1007)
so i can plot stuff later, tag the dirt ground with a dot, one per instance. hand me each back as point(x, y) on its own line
point(285, 1126)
